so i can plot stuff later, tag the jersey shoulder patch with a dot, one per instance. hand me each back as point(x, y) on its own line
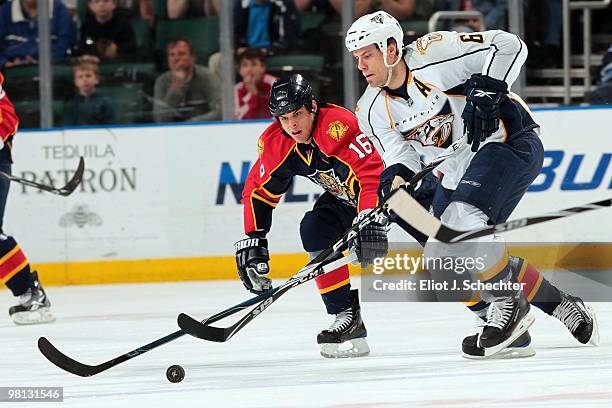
point(423, 43)
point(335, 123)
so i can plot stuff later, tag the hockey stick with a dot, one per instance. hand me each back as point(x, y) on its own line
point(84, 370)
point(63, 191)
point(408, 209)
point(203, 331)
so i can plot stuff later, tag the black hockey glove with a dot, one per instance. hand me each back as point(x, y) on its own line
point(481, 113)
point(252, 259)
point(371, 242)
point(392, 178)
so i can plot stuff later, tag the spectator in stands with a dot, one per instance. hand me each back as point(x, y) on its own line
point(147, 12)
point(87, 107)
point(543, 26)
point(71, 5)
point(602, 95)
point(19, 33)
point(362, 7)
point(192, 8)
point(106, 34)
point(137, 9)
point(400, 9)
point(273, 25)
point(187, 91)
point(495, 12)
point(251, 95)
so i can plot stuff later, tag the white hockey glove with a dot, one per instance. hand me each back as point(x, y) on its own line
point(371, 242)
point(252, 259)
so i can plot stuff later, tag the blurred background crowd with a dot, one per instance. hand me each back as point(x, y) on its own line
point(143, 61)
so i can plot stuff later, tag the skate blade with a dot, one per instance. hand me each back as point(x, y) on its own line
point(594, 340)
point(507, 353)
point(521, 328)
point(39, 316)
point(356, 348)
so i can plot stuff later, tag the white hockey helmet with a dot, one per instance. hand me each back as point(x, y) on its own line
point(375, 28)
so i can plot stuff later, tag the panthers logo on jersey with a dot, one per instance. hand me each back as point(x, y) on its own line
point(337, 130)
point(260, 147)
point(331, 183)
point(436, 131)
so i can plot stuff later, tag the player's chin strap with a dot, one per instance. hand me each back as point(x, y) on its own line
point(390, 68)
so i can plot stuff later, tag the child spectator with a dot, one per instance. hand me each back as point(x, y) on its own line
point(106, 34)
point(87, 107)
point(251, 95)
point(19, 32)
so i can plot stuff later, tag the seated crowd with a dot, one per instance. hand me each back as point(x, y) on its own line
point(160, 57)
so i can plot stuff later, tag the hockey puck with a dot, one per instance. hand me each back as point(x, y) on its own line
point(175, 373)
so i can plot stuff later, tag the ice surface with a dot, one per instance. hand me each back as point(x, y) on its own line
point(275, 362)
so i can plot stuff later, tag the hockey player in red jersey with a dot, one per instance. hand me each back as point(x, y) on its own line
point(33, 306)
point(323, 143)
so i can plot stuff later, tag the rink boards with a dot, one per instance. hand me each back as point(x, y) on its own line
point(161, 203)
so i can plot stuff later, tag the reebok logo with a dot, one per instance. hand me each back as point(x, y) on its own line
point(481, 94)
point(471, 183)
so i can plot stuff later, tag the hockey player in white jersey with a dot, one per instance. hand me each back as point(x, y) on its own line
point(423, 98)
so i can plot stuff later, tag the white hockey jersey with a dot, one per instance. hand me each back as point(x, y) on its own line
point(406, 130)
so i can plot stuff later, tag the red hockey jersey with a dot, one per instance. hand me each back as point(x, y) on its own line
point(340, 159)
point(8, 118)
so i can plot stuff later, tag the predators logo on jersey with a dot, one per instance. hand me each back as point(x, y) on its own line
point(422, 43)
point(337, 130)
point(437, 131)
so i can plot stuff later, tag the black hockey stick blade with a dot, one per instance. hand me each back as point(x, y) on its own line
point(84, 370)
point(63, 191)
point(74, 182)
point(66, 363)
point(197, 329)
point(202, 330)
point(407, 208)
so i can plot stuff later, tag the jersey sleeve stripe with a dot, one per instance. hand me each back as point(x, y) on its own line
point(515, 57)
point(260, 198)
point(492, 58)
point(451, 59)
point(388, 111)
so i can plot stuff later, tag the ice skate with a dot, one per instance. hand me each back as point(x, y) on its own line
point(346, 337)
point(580, 320)
point(33, 307)
point(507, 319)
point(521, 347)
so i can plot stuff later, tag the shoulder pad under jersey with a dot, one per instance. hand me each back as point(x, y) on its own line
point(273, 146)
